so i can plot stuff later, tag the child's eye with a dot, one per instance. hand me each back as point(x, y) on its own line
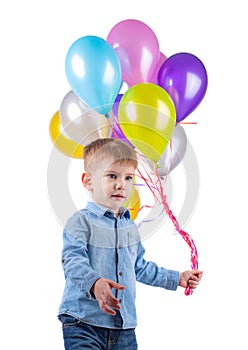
point(111, 176)
point(129, 178)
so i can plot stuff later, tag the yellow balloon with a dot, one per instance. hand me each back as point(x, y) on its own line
point(133, 203)
point(65, 145)
point(147, 116)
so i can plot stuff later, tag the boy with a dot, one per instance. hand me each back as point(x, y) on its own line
point(103, 256)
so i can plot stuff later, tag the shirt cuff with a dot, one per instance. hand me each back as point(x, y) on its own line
point(172, 280)
point(88, 284)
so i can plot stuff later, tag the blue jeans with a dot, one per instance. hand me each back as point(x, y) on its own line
point(80, 336)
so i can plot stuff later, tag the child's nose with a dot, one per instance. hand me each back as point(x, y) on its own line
point(120, 185)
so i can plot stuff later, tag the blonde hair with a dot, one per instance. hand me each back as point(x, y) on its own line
point(116, 150)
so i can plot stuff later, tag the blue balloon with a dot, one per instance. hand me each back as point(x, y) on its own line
point(94, 72)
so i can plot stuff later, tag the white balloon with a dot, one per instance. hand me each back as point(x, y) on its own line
point(82, 123)
point(174, 152)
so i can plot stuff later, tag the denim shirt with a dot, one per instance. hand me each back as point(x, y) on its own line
point(95, 245)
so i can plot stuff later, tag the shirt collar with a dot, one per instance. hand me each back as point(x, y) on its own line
point(100, 211)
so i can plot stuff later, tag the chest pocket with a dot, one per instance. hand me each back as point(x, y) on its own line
point(132, 242)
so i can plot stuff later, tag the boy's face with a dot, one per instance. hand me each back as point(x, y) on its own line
point(111, 184)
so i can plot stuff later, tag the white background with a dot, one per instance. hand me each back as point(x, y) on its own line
point(35, 37)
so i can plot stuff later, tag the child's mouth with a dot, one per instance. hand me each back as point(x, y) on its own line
point(118, 196)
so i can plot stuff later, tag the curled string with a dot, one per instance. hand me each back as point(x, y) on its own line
point(157, 188)
point(185, 235)
point(151, 187)
point(150, 220)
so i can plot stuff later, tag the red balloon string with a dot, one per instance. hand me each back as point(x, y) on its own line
point(152, 188)
point(187, 123)
point(185, 235)
point(158, 193)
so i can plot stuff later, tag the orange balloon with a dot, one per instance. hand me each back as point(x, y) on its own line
point(133, 203)
point(64, 144)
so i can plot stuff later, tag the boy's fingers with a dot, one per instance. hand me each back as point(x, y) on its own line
point(195, 277)
point(112, 301)
point(116, 285)
point(197, 273)
point(106, 308)
point(109, 303)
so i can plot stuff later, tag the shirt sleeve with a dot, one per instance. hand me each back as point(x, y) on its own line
point(148, 272)
point(75, 260)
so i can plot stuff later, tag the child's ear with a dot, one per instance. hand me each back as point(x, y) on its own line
point(86, 180)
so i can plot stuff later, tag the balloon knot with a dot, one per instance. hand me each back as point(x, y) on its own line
point(106, 115)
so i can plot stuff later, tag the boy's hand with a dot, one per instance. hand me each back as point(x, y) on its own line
point(190, 278)
point(102, 291)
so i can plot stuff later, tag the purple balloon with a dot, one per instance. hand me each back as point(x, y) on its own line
point(117, 133)
point(185, 79)
point(116, 104)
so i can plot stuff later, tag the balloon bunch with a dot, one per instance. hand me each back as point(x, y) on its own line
point(161, 93)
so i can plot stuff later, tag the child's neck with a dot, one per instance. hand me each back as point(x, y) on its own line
point(116, 214)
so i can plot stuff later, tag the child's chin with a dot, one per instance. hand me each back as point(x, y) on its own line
point(118, 199)
point(117, 203)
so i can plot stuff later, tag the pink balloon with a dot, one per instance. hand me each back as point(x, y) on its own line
point(137, 48)
point(162, 58)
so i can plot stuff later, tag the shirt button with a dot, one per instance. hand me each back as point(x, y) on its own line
point(120, 273)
